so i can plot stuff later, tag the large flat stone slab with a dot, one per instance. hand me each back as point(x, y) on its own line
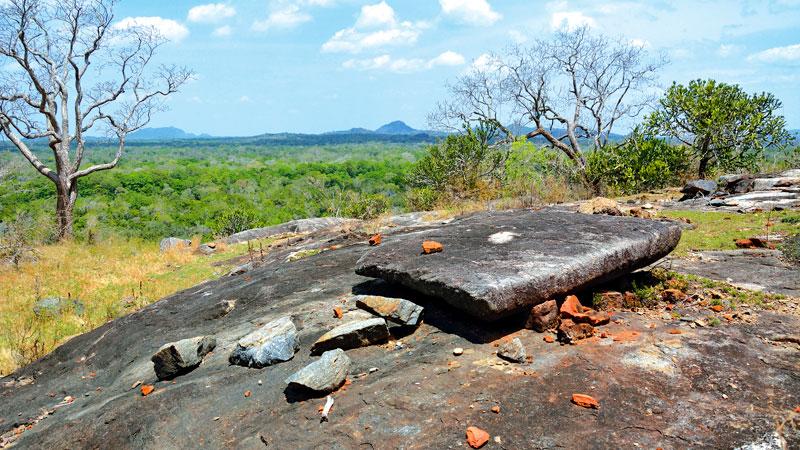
point(497, 263)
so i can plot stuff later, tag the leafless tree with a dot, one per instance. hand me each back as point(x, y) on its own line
point(74, 70)
point(574, 88)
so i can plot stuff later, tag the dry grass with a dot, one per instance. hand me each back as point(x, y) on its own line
point(110, 278)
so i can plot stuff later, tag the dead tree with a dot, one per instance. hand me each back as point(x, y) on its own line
point(570, 90)
point(75, 71)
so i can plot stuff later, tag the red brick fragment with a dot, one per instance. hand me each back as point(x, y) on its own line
point(549, 339)
point(585, 401)
point(429, 247)
point(337, 312)
point(476, 438)
point(375, 240)
point(147, 389)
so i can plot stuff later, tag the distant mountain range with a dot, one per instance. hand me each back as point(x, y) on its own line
point(164, 134)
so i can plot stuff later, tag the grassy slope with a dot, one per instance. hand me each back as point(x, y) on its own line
point(111, 279)
point(719, 230)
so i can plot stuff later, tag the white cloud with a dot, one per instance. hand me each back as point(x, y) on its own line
point(518, 37)
point(287, 17)
point(167, 28)
point(726, 50)
point(376, 27)
point(211, 13)
point(474, 12)
point(448, 58)
point(789, 53)
point(376, 16)
point(245, 99)
point(486, 63)
point(404, 65)
point(223, 31)
point(570, 20)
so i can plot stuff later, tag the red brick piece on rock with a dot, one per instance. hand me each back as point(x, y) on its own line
point(429, 247)
point(572, 309)
point(477, 438)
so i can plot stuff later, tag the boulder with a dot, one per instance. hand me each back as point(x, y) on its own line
point(513, 351)
point(323, 375)
point(275, 342)
point(178, 358)
point(173, 242)
point(698, 188)
point(55, 306)
point(397, 310)
point(550, 253)
point(543, 317)
point(299, 226)
point(206, 249)
point(353, 335)
point(600, 205)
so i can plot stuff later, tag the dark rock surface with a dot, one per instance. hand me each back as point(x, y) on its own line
point(660, 390)
point(295, 226)
point(274, 342)
point(496, 263)
point(181, 357)
point(356, 334)
point(759, 270)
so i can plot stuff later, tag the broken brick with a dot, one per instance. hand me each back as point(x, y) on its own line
point(476, 438)
point(572, 309)
point(675, 331)
point(496, 409)
point(585, 401)
point(375, 240)
point(549, 339)
point(147, 389)
point(337, 312)
point(429, 247)
point(717, 308)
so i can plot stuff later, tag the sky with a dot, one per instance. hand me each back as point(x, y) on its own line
point(265, 66)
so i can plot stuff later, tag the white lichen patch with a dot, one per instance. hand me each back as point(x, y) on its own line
point(502, 237)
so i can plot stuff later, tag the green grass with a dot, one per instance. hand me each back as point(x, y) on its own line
point(719, 230)
point(111, 279)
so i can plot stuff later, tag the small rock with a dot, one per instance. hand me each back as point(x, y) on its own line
point(569, 331)
point(56, 306)
point(458, 351)
point(206, 249)
point(549, 339)
point(585, 401)
point(513, 351)
point(543, 316)
point(275, 342)
point(429, 247)
point(375, 240)
point(672, 295)
point(698, 188)
point(337, 312)
point(353, 335)
point(600, 205)
point(247, 394)
point(178, 358)
point(323, 375)
point(174, 243)
point(496, 409)
point(477, 438)
point(396, 310)
point(244, 268)
point(147, 389)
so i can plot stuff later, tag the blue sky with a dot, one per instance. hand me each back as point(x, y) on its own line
point(320, 65)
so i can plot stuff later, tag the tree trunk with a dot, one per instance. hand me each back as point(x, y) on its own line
point(702, 171)
point(66, 193)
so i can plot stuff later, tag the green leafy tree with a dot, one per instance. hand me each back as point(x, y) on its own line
point(723, 125)
point(640, 163)
point(460, 165)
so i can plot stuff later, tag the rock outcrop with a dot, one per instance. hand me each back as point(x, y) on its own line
point(397, 310)
point(324, 375)
point(352, 335)
point(275, 342)
point(173, 242)
point(550, 253)
point(178, 358)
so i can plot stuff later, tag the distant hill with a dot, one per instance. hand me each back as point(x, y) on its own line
point(164, 134)
point(397, 127)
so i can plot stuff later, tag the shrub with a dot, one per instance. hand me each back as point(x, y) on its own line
point(367, 207)
point(639, 164)
point(791, 248)
point(422, 199)
point(235, 220)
